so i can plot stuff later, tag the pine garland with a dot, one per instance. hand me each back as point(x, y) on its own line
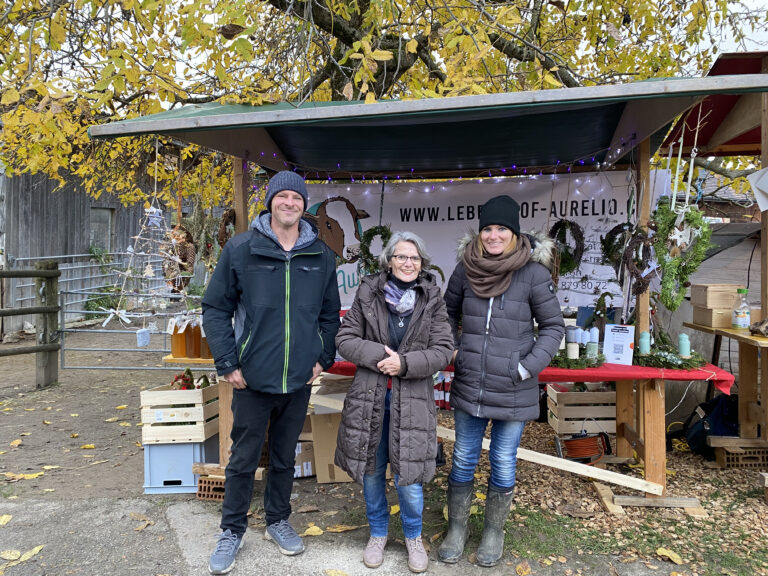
point(667, 357)
point(560, 360)
point(676, 269)
point(570, 258)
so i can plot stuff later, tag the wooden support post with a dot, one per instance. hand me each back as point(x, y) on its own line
point(241, 180)
point(47, 294)
point(747, 388)
point(625, 416)
point(653, 431)
point(642, 303)
point(763, 250)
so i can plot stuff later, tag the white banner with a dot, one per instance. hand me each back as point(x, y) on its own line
point(442, 212)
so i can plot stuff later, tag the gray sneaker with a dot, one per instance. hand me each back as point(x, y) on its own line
point(223, 557)
point(283, 534)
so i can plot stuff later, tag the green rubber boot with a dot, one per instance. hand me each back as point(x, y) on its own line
point(496, 512)
point(459, 501)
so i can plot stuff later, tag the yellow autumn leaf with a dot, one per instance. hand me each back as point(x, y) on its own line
point(113, 419)
point(49, 489)
point(26, 556)
point(670, 555)
point(121, 407)
point(332, 572)
point(412, 46)
point(523, 569)
point(313, 531)
point(394, 509)
point(29, 409)
point(50, 467)
point(15, 443)
point(342, 528)
point(370, 98)
point(4, 519)
point(25, 434)
point(480, 495)
point(474, 510)
point(47, 422)
point(124, 424)
point(381, 55)
point(2, 452)
point(87, 446)
point(74, 435)
point(10, 554)
point(14, 476)
point(445, 513)
point(10, 96)
point(74, 415)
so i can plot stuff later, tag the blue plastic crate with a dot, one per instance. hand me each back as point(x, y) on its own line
point(168, 467)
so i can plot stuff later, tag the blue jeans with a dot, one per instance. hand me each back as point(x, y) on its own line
point(375, 492)
point(505, 439)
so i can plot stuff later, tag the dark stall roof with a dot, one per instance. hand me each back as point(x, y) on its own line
point(467, 134)
point(731, 122)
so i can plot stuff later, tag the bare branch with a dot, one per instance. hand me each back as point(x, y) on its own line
point(719, 168)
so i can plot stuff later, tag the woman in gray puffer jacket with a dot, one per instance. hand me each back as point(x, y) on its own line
point(398, 335)
point(499, 287)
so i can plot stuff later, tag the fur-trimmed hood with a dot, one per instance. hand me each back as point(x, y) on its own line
point(542, 247)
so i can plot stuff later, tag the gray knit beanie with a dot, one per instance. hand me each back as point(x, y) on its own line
point(285, 180)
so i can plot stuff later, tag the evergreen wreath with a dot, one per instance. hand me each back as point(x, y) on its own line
point(667, 357)
point(637, 256)
point(676, 266)
point(613, 243)
point(368, 263)
point(570, 258)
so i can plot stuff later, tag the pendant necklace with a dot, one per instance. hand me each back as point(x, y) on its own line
point(401, 324)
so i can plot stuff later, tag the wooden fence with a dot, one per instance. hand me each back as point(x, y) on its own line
point(46, 308)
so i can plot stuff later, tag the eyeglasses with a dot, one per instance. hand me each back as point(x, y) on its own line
point(402, 258)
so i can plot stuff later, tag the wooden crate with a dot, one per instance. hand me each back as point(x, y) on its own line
point(572, 412)
point(169, 416)
point(714, 317)
point(715, 295)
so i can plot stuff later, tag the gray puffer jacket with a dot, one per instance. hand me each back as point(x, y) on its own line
point(497, 334)
point(426, 348)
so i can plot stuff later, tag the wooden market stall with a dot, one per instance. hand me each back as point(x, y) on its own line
point(501, 135)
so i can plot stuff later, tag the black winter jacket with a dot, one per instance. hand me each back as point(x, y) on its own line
point(285, 305)
point(497, 334)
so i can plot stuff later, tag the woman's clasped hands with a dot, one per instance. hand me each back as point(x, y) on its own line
point(391, 364)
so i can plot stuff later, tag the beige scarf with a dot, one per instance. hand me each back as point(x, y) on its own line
point(490, 276)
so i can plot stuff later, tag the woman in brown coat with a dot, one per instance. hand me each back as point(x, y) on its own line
point(398, 335)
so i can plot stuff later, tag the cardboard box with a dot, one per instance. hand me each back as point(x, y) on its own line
point(713, 317)
point(306, 431)
point(305, 460)
point(325, 428)
point(715, 296)
point(333, 387)
point(755, 314)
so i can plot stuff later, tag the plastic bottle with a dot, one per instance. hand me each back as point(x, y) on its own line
point(740, 318)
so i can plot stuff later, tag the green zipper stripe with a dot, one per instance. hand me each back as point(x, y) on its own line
point(287, 322)
point(245, 344)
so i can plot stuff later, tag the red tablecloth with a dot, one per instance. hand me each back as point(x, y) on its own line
point(607, 372)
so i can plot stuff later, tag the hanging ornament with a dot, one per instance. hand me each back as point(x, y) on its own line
point(148, 272)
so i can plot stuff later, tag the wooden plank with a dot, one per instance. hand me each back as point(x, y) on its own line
point(47, 326)
point(653, 431)
point(625, 415)
point(729, 441)
point(743, 117)
point(635, 441)
point(579, 425)
point(168, 415)
point(569, 466)
point(662, 502)
point(605, 495)
point(225, 422)
point(747, 389)
point(169, 359)
point(216, 471)
point(165, 396)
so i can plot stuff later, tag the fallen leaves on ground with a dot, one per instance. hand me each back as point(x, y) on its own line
point(4, 519)
point(141, 518)
point(313, 530)
point(307, 509)
point(121, 407)
point(394, 509)
point(19, 559)
point(87, 446)
point(332, 572)
point(343, 528)
point(523, 569)
point(14, 476)
point(670, 555)
point(15, 443)
point(113, 419)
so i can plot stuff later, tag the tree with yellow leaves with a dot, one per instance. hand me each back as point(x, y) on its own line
point(69, 64)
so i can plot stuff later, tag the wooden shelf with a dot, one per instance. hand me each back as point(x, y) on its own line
point(738, 334)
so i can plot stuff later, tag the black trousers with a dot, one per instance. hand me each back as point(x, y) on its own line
point(251, 412)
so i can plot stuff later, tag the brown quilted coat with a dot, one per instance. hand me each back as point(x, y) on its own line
point(426, 348)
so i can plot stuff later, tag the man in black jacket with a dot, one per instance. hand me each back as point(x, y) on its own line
point(278, 282)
